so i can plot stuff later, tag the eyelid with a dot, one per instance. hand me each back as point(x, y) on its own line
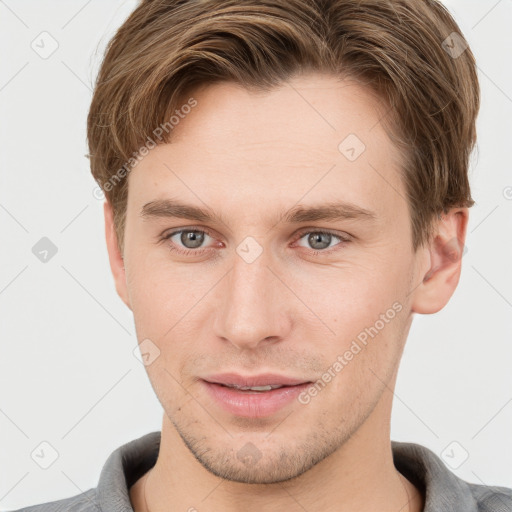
point(166, 236)
point(341, 235)
point(344, 239)
point(171, 232)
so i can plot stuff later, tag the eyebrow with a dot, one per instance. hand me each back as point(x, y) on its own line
point(169, 208)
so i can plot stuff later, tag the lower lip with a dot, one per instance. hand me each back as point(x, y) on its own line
point(253, 404)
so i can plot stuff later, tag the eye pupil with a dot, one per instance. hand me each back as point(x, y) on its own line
point(317, 237)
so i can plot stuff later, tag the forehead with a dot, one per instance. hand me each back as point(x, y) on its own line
point(314, 137)
point(312, 111)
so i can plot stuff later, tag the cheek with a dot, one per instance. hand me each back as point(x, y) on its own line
point(349, 296)
point(358, 322)
point(359, 366)
point(167, 305)
point(162, 293)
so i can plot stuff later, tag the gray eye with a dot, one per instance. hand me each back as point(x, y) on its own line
point(319, 240)
point(192, 239)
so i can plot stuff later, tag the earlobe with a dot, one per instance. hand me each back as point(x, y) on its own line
point(441, 277)
point(114, 254)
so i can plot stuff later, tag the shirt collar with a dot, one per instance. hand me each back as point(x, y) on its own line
point(442, 489)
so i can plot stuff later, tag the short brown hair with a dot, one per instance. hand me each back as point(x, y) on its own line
point(402, 50)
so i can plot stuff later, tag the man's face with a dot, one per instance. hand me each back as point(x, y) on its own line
point(252, 296)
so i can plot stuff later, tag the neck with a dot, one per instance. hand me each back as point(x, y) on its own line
point(359, 475)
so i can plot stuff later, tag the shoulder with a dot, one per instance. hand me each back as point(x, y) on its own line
point(84, 502)
point(492, 498)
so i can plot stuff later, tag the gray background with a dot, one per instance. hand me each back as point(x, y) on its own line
point(68, 375)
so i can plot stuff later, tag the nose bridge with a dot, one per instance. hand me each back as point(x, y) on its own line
point(250, 306)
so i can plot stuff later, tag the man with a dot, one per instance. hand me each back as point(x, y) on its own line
point(286, 187)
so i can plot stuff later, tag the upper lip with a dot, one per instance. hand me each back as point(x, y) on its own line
point(263, 379)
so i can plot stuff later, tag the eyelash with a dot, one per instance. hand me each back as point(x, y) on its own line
point(189, 252)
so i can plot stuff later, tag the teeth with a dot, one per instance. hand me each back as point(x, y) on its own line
point(255, 388)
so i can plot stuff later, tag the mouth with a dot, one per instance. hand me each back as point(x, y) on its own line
point(258, 389)
point(254, 389)
point(253, 397)
point(261, 382)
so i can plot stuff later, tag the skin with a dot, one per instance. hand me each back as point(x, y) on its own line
point(250, 157)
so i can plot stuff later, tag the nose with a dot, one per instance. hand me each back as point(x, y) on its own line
point(254, 305)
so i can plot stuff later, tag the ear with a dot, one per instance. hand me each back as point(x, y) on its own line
point(444, 259)
point(114, 255)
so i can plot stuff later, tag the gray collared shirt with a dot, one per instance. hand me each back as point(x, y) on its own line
point(444, 491)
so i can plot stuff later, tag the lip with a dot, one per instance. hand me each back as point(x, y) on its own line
point(253, 404)
point(263, 379)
